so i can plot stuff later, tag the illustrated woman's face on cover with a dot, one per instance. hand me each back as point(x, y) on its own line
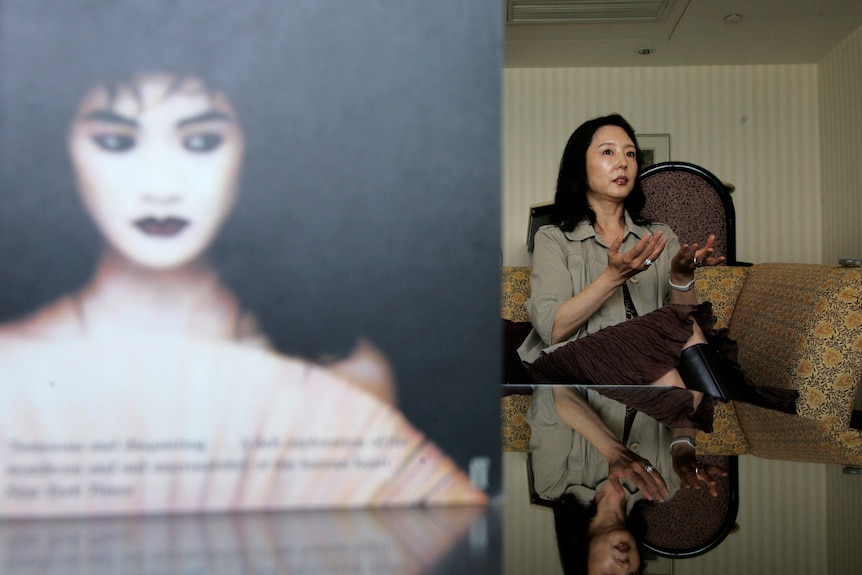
point(157, 164)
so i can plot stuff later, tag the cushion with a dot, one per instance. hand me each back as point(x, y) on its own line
point(727, 437)
point(720, 285)
point(802, 329)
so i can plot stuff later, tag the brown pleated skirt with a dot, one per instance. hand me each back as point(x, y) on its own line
point(636, 353)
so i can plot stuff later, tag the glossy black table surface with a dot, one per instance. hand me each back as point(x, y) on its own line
point(397, 541)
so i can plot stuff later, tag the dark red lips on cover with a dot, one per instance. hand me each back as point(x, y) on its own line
point(163, 227)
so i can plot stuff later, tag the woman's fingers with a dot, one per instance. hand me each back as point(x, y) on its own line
point(703, 476)
point(690, 479)
point(707, 475)
point(635, 260)
point(646, 478)
point(704, 256)
point(614, 248)
point(617, 486)
point(649, 248)
point(654, 485)
point(658, 248)
point(694, 475)
point(692, 256)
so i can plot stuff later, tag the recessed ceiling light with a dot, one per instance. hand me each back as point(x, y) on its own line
point(733, 18)
point(645, 51)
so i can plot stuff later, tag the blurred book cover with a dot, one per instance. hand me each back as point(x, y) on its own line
point(249, 255)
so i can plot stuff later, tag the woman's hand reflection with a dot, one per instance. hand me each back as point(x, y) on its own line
point(624, 463)
point(692, 473)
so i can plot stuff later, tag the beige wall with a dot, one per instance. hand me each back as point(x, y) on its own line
point(789, 139)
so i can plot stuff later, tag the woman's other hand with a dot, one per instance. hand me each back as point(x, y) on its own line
point(693, 473)
point(624, 463)
point(692, 256)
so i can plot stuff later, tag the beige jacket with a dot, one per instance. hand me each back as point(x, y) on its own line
point(564, 263)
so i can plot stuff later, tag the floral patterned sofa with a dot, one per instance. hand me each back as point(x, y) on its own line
point(798, 326)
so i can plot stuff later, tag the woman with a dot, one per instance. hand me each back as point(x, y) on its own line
point(612, 304)
point(605, 272)
point(148, 341)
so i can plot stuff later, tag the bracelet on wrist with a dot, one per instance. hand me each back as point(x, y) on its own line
point(683, 439)
point(687, 287)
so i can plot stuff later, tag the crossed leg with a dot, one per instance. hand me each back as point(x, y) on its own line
point(673, 378)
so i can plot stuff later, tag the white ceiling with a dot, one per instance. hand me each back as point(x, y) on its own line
point(684, 33)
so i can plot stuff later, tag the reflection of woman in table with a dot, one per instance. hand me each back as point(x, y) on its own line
point(157, 158)
point(586, 454)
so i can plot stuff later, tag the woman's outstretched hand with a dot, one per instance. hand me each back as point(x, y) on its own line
point(624, 463)
point(692, 256)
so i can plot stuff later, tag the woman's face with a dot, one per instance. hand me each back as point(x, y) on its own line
point(611, 164)
point(157, 165)
point(614, 553)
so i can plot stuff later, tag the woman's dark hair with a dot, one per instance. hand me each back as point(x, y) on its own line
point(571, 524)
point(570, 200)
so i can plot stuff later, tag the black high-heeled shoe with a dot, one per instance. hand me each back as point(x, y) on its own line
point(703, 369)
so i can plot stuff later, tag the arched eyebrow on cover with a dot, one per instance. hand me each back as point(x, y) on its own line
point(109, 117)
point(205, 117)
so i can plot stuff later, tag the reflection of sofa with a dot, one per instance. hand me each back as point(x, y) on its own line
point(798, 326)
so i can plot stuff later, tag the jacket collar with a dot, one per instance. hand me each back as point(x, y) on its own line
point(584, 230)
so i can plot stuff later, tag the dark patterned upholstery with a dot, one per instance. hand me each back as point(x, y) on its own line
point(693, 202)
